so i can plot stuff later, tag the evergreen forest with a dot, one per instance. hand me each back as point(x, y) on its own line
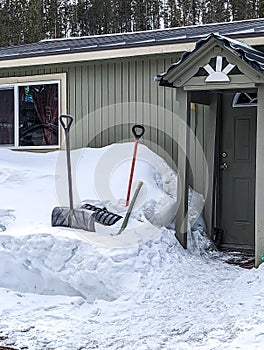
point(27, 21)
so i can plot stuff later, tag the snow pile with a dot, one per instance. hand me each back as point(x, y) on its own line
point(50, 263)
point(65, 289)
point(7, 216)
point(46, 264)
point(110, 173)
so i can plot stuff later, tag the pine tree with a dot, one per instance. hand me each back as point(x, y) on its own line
point(171, 14)
point(122, 16)
point(12, 22)
point(139, 21)
point(215, 11)
point(154, 11)
point(53, 18)
point(241, 9)
point(186, 12)
point(260, 8)
point(33, 24)
point(65, 8)
point(79, 18)
point(98, 16)
point(73, 19)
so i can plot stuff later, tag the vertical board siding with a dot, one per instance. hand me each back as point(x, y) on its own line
point(106, 98)
point(117, 111)
point(79, 107)
point(90, 120)
point(85, 104)
point(71, 102)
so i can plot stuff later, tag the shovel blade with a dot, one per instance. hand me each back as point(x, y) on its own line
point(76, 218)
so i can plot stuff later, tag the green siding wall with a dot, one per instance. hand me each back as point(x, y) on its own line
point(106, 98)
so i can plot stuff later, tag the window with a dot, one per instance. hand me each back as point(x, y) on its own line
point(245, 99)
point(7, 116)
point(29, 114)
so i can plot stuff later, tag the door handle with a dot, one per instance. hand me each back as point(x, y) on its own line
point(223, 166)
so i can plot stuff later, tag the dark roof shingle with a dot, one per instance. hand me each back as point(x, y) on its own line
point(135, 39)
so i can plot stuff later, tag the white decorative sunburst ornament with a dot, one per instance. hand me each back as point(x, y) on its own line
point(219, 74)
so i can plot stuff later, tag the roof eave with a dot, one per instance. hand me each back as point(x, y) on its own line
point(94, 54)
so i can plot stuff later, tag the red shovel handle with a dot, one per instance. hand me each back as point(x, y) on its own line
point(138, 131)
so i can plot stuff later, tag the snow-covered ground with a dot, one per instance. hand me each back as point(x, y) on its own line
point(67, 289)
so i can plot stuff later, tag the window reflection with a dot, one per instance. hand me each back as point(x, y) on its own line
point(38, 115)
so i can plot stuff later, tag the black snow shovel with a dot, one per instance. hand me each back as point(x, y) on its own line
point(102, 215)
point(71, 217)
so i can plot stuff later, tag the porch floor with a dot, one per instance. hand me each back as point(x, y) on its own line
point(244, 259)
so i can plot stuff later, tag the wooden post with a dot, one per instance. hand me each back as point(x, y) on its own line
point(210, 157)
point(259, 197)
point(183, 133)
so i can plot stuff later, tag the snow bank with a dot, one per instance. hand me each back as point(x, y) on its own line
point(46, 264)
point(44, 260)
point(62, 289)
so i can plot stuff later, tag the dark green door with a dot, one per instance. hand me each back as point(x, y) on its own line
point(237, 173)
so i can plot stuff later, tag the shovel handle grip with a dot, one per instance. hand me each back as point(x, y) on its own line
point(66, 122)
point(138, 131)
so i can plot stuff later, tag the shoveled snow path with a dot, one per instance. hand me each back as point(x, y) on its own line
point(181, 301)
